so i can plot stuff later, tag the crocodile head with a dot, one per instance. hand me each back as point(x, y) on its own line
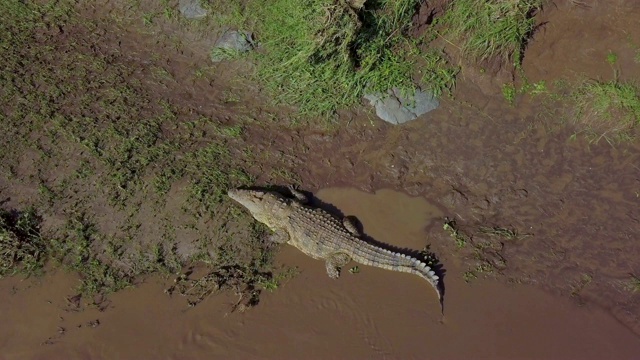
point(265, 206)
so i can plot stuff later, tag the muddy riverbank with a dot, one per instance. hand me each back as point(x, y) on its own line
point(374, 314)
point(123, 137)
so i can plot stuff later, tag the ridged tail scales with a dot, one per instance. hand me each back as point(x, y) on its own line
point(371, 255)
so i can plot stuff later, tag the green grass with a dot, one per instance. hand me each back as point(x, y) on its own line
point(469, 276)
point(306, 62)
point(273, 282)
point(221, 54)
point(73, 248)
point(490, 30)
point(436, 73)
point(22, 249)
point(459, 237)
point(509, 93)
point(537, 88)
point(608, 110)
point(223, 14)
point(321, 57)
point(209, 187)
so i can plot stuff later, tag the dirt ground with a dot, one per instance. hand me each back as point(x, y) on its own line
point(533, 201)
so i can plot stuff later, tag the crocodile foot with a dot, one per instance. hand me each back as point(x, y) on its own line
point(335, 262)
point(299, 195)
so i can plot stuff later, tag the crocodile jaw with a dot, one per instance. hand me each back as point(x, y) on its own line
point(261, 204)
point(253, 200)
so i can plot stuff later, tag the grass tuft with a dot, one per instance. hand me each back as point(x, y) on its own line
point(76, 250)
point(633, 284)
point(22, 249)
point(459, 237)
point(607, 110)
point(306, 61)
point(493, 29)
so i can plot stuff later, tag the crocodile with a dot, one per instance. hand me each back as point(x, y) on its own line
point(323, 236)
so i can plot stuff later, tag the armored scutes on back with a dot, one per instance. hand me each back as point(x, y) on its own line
point(320, 235)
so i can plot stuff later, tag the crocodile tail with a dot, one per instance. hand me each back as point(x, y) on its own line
point(424, 271)
point(421, 269)
point(387, 259)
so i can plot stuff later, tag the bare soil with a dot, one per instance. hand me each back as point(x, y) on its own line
point(480, 161)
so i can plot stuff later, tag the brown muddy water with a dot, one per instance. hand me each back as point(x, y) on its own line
point(373, 314)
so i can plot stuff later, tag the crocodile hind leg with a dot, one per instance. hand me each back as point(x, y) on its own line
point(335, 262)
point(349, 223)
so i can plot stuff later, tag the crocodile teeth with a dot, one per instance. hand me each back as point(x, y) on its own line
point(432, 274)
point(423, 265)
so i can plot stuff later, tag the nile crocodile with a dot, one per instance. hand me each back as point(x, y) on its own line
point(320, 235)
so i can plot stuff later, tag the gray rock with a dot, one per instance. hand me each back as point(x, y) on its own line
point(191, 9)
point(230, 44)
point(394, 108)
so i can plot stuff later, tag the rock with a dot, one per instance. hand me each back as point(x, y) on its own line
point(230, 44)
point(394, 108)
point(191, 9)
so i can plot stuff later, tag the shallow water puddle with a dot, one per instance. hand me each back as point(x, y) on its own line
point(371, 314)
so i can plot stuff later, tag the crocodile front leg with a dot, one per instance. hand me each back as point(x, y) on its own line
point(279, 236)
point(335, 262)
point(299, 195)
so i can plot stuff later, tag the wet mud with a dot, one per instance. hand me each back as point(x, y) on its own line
point(370, 314)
